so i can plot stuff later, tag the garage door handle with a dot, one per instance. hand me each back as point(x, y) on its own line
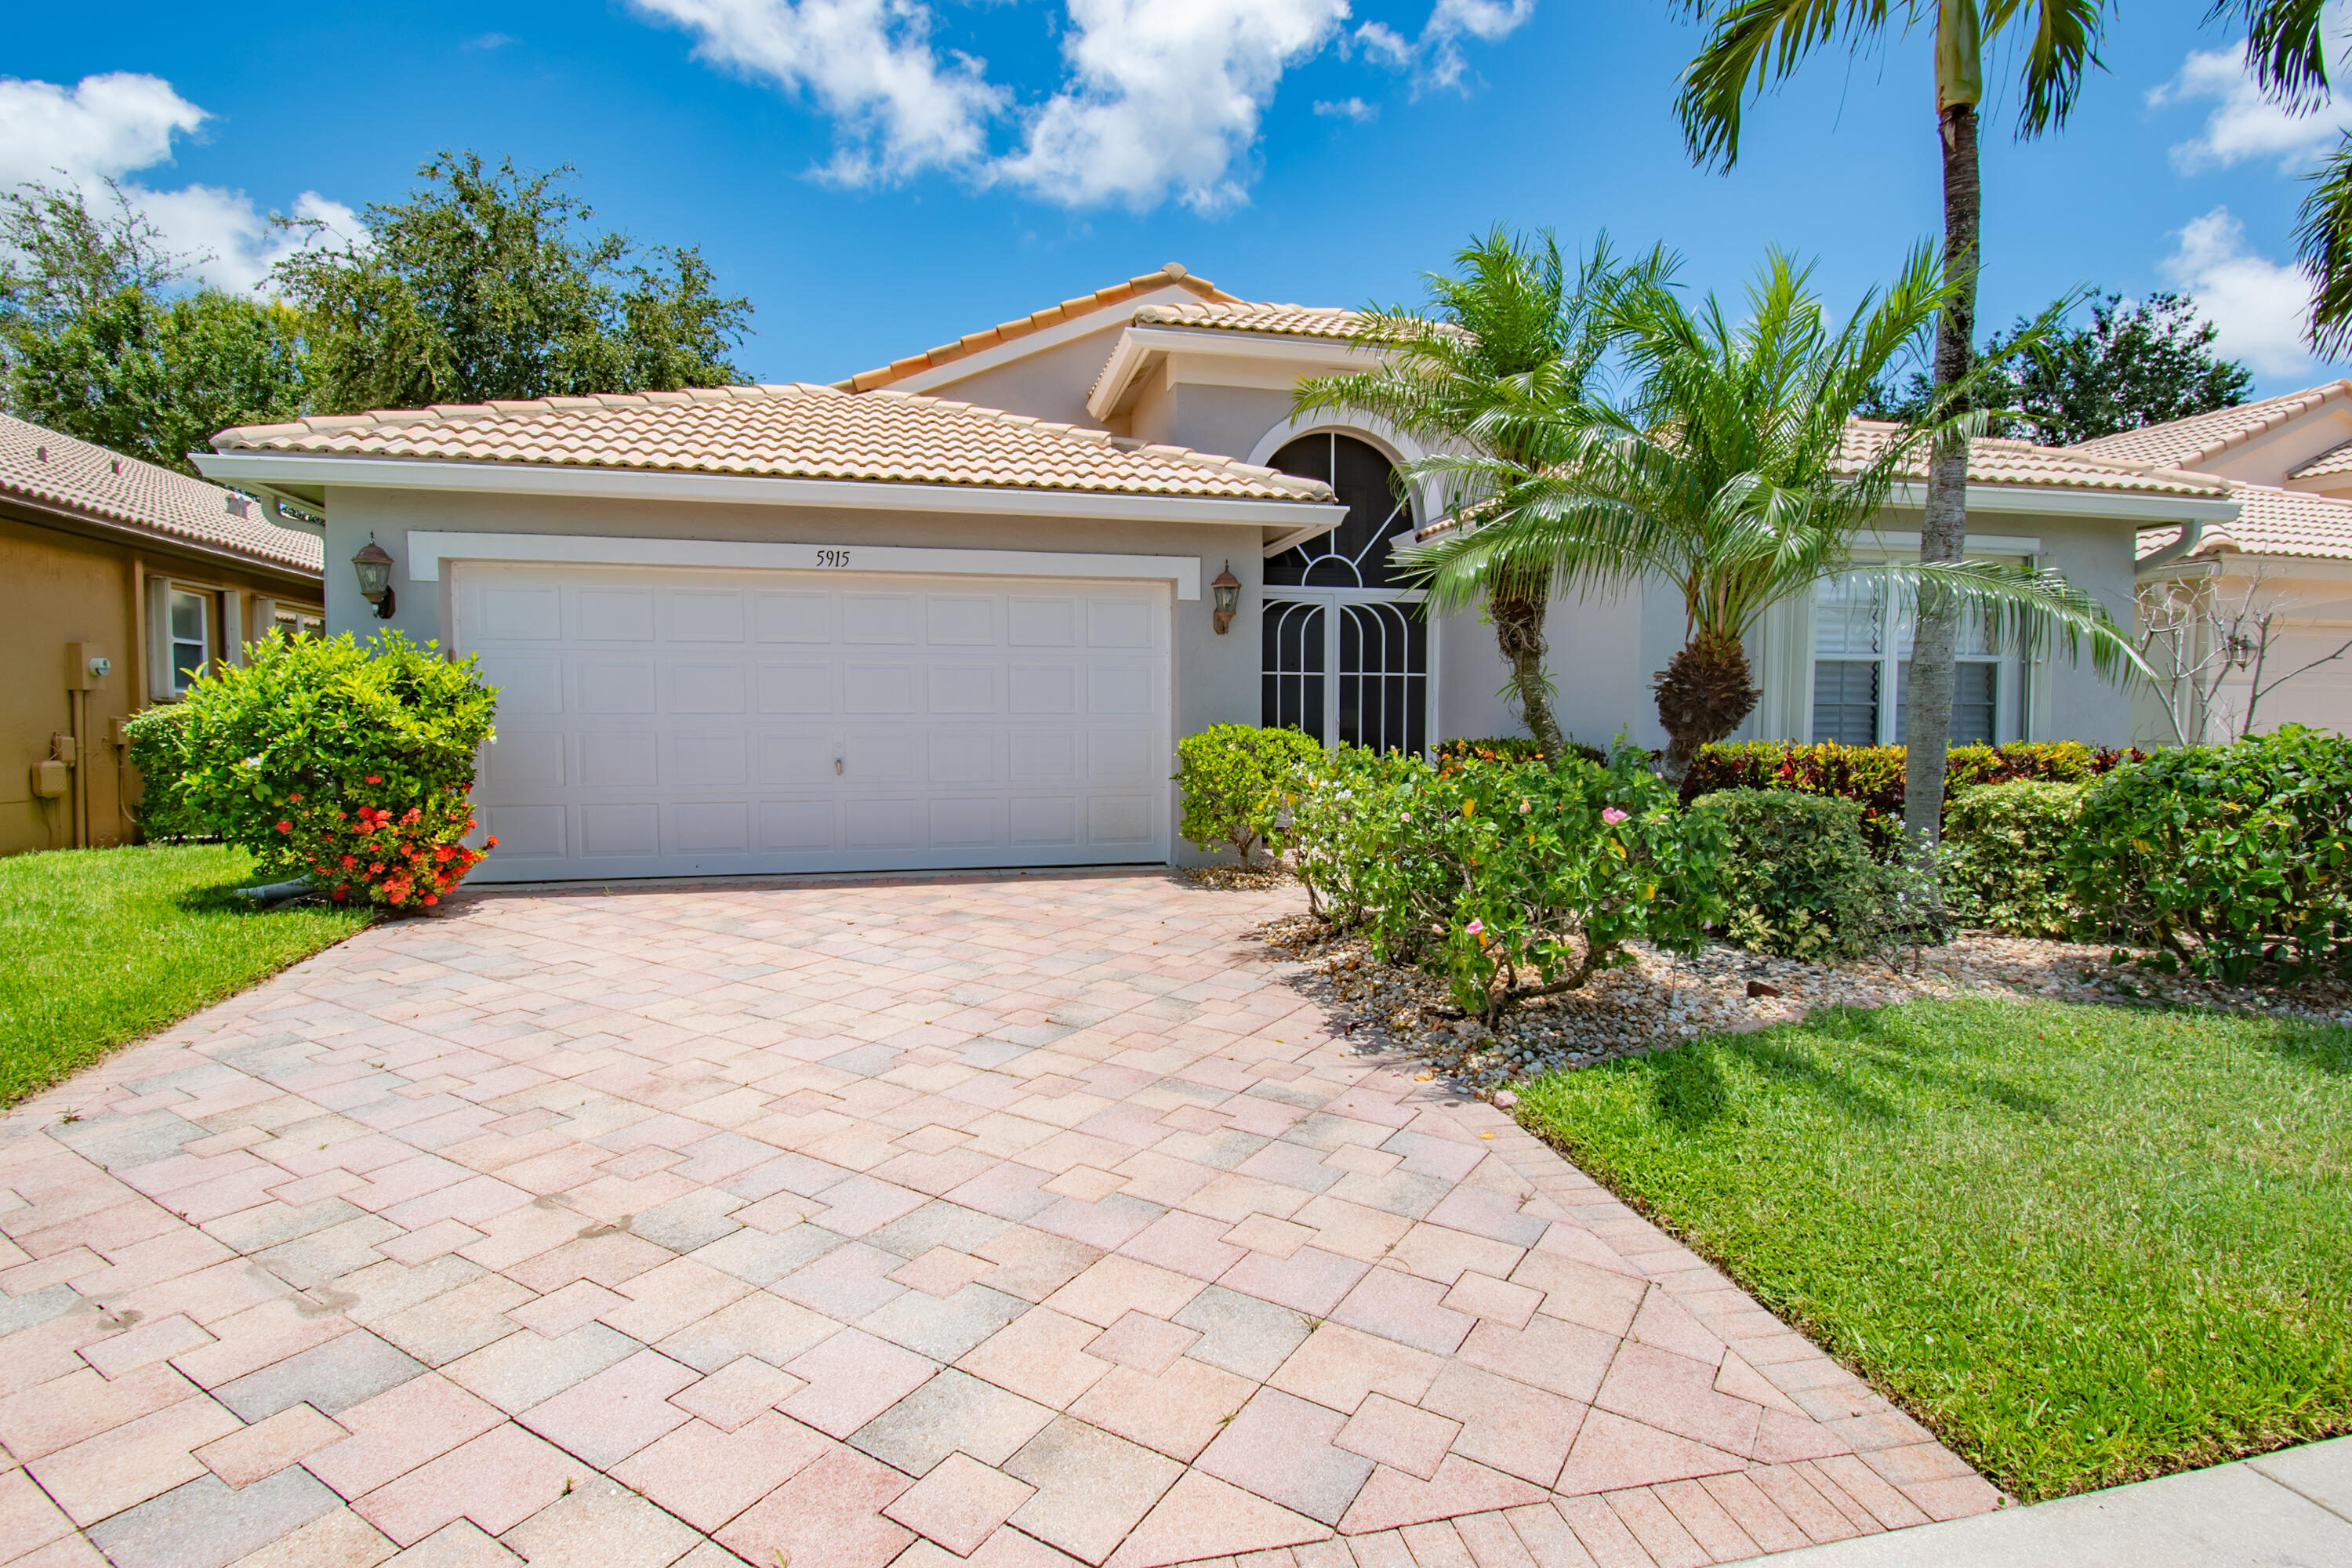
point(837, 766)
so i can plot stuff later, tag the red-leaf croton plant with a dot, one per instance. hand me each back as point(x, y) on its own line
point(346, 760)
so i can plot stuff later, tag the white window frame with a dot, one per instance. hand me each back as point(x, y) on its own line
point(2011, 672)
point(164, 682)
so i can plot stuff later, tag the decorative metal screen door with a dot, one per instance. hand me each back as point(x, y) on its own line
point(1345, 655)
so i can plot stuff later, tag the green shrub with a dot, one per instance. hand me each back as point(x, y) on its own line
point(2006, 863)
point(1515, 880)
point(1799, 881)
point(158, 742)
point(2226, 858)
point(313, 733)
point(1235, 779)
point(1872, 776)
point(1505, 749)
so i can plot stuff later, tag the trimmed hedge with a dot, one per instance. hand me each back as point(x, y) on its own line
point(2008, 845)
point(158, 742)
point(1505, 749)
point(1235, 779)
point(2227, 859)
point(1799, 881)
point(1872, 776)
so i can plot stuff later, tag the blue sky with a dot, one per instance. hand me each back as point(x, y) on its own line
point(880, 176)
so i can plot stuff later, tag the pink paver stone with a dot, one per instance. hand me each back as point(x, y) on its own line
point(639, 1225)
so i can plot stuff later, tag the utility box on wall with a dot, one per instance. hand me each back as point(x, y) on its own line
point(87, 667)
point(50, 778)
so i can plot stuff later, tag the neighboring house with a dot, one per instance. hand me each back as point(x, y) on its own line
point(2286, 557)
point(152, 575)
point(955, 611)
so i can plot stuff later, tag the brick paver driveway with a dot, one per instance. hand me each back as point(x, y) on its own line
point(1022, 1219)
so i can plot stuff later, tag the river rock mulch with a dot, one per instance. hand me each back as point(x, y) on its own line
point(1661, 999)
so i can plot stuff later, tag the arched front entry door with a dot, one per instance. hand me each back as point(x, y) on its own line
point(1346, 654)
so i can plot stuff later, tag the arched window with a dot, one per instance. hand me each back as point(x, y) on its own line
point(1346, 651)
point(1355, 553)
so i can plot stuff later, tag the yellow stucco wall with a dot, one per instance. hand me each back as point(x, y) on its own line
point(58, 587)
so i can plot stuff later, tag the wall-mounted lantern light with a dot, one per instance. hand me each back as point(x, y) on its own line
point(1226, 593)
point(373, 563)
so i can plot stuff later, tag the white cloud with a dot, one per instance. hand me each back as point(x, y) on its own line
point(1354, 108)
point(898, 106)
point(2244, 123)
point(2258, 306)
point(105, 127)
point(1435, 57)
point(1163, 99)
point(109, 127)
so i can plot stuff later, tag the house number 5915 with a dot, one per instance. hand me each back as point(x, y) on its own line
point(832, 557)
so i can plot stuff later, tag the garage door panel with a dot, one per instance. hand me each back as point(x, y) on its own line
point(789, 826)
point(1122, 623)
point(612, 615)
point(711, 827)
point(611, 688)
point(630, 829)
point(796, 759)
point(521, 615)
point(1041, 622)
point(704, 762)
point(960, 690)
point(684, 722)
point(1043, 822)
point(795, 689)
point(1119, 819)
point(789, 617)
point(526, 685)
point(966, 757)
point(1117, 688)
point(886, 756)
point(704, 614)
point(869, 619)
point(960, 620)
point(526, 832)
point(1043, 756)
point(525, 760)
point(969, 823)
point(880, 824)
point(878, 688)
point(700, 687)
point(1042, 688)
point(620, 759)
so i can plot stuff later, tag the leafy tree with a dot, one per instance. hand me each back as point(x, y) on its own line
point(2138, 363)
point(1729, 472)
point(1508, 325)
point(91, 345)
point(1755, 43)
point(484, 284)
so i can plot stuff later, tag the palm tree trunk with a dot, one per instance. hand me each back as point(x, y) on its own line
point(1944, 530)
point(1519, 634)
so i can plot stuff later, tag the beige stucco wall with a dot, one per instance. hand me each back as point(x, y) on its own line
point(65, 587)
point(1216, 677)
point(2314, 599)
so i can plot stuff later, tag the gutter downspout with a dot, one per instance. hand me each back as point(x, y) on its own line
point(2192, 533)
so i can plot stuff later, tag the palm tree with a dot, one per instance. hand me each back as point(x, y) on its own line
point(1757, 42)
point(1735, 472)
point(1510, 322)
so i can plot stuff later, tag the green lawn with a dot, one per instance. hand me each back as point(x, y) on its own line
point(2084, 1244)
point(102, 946)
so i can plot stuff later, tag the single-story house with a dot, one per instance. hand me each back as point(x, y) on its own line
point(957, 610)
point(119, 581)
point(2285, 557)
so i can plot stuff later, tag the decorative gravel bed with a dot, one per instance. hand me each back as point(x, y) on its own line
point(1659, 999)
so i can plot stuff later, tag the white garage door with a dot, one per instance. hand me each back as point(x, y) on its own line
point(660, 721)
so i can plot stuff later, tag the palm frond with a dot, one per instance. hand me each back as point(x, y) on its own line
point(2065, 46)
point(2021, 609)
point(2284, 46)
point(1755, 43)
point(2322, 235)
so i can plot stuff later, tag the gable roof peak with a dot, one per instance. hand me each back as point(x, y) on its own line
point(1170, 275)
point(2200, 438)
